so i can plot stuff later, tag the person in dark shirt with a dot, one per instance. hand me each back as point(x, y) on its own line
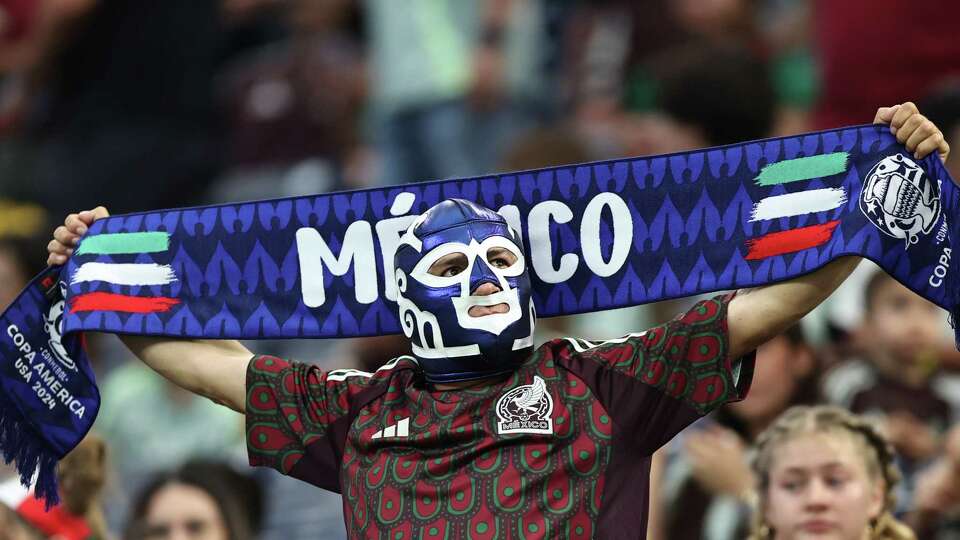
point(478, 433)
point(896, 375)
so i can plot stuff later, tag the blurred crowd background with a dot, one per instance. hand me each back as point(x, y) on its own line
point(140, 104)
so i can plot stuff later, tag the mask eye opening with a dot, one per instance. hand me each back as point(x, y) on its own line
point(501, 258)
point(449, 265)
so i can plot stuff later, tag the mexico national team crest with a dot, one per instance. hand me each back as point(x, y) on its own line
point(526, 409)
point(900, 199)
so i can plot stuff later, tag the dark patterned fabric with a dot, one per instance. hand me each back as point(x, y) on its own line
point(424, 464)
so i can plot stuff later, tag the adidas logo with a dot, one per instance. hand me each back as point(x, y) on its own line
point(400, 429)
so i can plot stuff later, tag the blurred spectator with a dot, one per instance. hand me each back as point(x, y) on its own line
point(13, 274)
point(784, 25)
point(706, 96)
point(612, 41)
point(723, 94)
point(707, 478)
point(823, 472)
point(245, 488)
point(243, 10)
point(19, 262)
point(896, 376)
point(618, 51)
point(81, 476)
point(16, 19)
point(548, 146)
point(294, 107)
point(942, 106)
point(120, 109)
point(870, 55)
point(28, 28)
point(180, 426)
point(29, 31)
point(452, 81)
point(192, 502)
point(12, 526)
point(935, 512)
point(296, 509)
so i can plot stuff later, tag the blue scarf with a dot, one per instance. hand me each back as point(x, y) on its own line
point(600, 236)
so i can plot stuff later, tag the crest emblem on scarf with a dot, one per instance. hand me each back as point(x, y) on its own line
point(53, 326)
point(900, 199)
point(526, 409)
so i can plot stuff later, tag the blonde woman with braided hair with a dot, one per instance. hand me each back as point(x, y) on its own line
point(823, 472)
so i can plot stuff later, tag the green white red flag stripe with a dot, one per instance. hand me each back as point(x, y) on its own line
point(805, 168)
point(125, 274)
point(781, 243)
point(797, 204)
point(124, 303)
point(124, 243)
point(132, 274)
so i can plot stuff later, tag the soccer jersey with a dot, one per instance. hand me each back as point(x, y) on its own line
point(561, 448)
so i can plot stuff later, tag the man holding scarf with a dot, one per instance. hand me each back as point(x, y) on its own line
point(480, 433)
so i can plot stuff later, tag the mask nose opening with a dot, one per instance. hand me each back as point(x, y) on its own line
point(482, 273)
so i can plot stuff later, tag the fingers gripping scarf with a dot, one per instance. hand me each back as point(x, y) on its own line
point(601, 236)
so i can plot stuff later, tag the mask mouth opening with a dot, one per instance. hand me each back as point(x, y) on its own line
point(483, 311)
point(486, 312)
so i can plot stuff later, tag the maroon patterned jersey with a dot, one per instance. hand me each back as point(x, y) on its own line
point(559, 449)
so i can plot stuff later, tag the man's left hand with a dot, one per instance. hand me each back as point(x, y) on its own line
point(913, 130)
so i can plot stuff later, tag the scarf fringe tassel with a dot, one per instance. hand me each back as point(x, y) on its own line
point(30, 454)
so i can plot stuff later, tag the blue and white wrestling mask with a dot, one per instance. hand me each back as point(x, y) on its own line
point(449, 252)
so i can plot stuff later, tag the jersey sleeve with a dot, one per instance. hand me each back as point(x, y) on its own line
point(297, 417)
point(656, 383)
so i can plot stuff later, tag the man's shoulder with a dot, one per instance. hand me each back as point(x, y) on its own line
point(709, 314)
point(563, 347)
point(399, 366)
point(570, 353)
point(697, 335)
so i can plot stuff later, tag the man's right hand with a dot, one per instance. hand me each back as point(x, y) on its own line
point(215, 369)
point(66, 236)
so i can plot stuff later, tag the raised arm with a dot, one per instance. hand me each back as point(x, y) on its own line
point(756, 315)
point(215, 369)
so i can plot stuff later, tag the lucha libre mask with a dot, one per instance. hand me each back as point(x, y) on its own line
point(435, 310)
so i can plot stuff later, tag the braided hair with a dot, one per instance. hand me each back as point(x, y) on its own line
point(876, 451)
